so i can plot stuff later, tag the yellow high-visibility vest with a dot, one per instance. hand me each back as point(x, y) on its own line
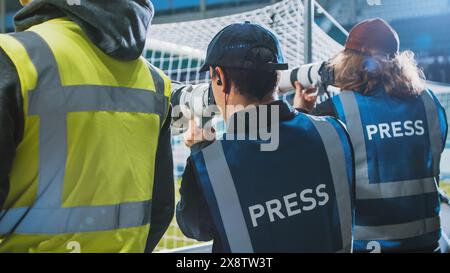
point(82, 178)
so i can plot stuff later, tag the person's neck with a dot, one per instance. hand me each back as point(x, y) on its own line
point(238, 103)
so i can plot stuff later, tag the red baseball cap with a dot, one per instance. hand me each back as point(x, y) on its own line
point(373, 35)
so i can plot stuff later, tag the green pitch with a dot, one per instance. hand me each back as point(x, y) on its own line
point(174, 238)
point(446, 187)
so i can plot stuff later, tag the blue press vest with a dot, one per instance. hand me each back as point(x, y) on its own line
point(243, 187)
point(397, 144)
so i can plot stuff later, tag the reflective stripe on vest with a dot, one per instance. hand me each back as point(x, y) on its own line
point(229, 205)
point(336, 159)
point(51, 102)
point(399, 231)
point(436, 143)
point(393, 189)
point(227, 199)
point(75, 219)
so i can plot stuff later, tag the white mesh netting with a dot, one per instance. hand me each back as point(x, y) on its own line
point(179, 48)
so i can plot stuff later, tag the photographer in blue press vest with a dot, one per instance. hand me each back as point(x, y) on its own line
point(289, 192)
point(398, 130)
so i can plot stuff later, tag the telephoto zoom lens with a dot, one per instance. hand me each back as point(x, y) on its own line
point(308, 75)
point(190, 102)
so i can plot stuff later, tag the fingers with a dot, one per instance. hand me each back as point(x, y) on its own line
point(208, 134)
point(196, 134)
point(310, 95)
point(310, 90)
point(298, 86)
point(300, 89)
point(192, 134)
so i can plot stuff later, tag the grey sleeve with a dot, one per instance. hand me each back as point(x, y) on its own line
point(11, 121)
point(163, 200)
point(325, 108)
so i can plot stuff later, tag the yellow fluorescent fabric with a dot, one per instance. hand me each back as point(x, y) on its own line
point(100, 149)
point(83, 68)
point(110, 157)
point(130, 240)
point(24, 174)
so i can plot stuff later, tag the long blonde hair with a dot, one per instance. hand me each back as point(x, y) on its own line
point(360, 72)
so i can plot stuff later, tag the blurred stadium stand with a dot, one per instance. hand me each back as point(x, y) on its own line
point(422, 26)
point(7, 9)
point(349, 11)
point(174, 6)
point(169, 11)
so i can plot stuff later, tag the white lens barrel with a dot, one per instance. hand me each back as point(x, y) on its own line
point(185, 100)
point(307, 75)
point(199, 99)
point(285, 84)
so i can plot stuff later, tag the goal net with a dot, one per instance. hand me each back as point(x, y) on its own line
point(180, 48)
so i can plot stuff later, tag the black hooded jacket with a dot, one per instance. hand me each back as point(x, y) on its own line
point(118, 28)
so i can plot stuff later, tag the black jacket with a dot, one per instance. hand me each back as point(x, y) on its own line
point(118, 28)
point(325, 108)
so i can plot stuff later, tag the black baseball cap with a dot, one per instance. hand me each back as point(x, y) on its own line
point(245, 46)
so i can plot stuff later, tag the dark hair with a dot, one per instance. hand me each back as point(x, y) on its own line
point(252, 84)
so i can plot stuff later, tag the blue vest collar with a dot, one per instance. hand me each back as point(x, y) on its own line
point(286, 112)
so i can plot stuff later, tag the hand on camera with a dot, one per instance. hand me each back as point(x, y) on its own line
point(304, 98)
point(195, 134)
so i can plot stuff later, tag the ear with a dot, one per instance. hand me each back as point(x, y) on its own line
point(222, 78)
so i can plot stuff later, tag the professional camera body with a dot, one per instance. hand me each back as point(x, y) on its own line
point(315, 75)
point(191, 102)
